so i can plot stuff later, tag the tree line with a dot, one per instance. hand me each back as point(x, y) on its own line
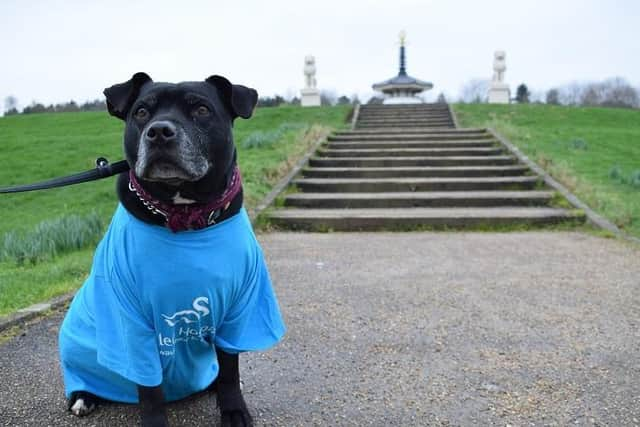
point(612, 92)
point(11, 107)
point(11, 104)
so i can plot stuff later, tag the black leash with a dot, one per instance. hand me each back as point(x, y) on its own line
point(103, 169)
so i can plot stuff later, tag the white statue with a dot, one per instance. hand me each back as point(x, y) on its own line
point(499, 66)
point(310, 71)
point(499, 92)
point(310, 95)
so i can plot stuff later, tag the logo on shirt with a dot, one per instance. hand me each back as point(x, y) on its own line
point(194, 315)
point(183, 331)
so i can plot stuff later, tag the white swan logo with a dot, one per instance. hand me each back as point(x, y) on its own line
point(200, 310)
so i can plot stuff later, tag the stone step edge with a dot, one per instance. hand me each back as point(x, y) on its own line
point(452, 142)
point(405, 118)
point(376, 218)
point(327, 152)
point(421, 130)
point(415, 168)
point(419, 180)
point(457, 131)
point(524, 194)
point(381, 136)
point(423, 212)
point(416, 158)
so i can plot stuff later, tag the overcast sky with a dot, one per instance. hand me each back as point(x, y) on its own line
point(54, 51)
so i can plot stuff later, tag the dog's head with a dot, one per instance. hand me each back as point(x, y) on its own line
point(178, 136)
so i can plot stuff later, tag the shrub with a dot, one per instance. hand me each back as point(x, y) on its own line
point(615, 173)
point(579, 144)
point(50, 238)
point(266, 138)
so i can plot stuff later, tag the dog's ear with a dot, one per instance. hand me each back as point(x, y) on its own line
point(120, 97)
point(239, 100)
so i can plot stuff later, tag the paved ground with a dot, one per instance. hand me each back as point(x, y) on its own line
point(412, 329)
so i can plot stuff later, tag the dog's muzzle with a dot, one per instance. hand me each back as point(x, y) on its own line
point(167, 154)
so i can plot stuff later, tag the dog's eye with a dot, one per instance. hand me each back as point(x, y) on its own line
point(141, 113)
point(202, 111)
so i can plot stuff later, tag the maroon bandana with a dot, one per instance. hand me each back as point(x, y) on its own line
point(189, 216)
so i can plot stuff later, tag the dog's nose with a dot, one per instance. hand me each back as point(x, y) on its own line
point(161, 132)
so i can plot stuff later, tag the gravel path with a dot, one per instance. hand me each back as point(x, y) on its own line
point(538, 328)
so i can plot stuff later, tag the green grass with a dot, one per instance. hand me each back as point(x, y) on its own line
point(595, 152)
point(42, 146)
point(23, 285)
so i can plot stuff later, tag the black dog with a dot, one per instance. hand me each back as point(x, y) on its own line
point(178, 282)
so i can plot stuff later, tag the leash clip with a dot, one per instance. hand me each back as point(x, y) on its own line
point(103, 167)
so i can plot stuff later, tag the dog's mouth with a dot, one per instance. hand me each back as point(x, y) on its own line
point(159, 166)
point(167, 172)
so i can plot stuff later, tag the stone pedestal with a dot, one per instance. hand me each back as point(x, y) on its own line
point(499, 93)
point(310, 97)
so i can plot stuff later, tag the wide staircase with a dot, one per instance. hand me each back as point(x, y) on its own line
point(408, 167)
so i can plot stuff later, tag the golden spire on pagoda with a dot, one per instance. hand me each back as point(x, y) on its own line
point(403, 37)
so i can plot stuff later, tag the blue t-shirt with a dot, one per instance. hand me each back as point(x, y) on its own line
point(157, 302)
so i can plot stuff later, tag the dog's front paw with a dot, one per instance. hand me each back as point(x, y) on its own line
point(233, 409)
point(154, 420)
point(82, 403)
point(238, 418)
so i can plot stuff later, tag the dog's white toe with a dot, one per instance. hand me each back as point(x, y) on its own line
point(80, 408)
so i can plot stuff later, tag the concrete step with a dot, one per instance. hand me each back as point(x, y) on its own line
point(401, 114)
point(405, 129)
point(406, 218)
point(404, 110)
point(411, 161)
point(409, 152)
point(458, 131)
point(477, 143)
point(423, 137)
point(395, 124)
point(404, 116)
point(423, 172)
point(421, 199)
point(383, 185)
point(405, 107)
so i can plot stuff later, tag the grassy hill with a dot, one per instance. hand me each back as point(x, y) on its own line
point(41, 146)
point(595, 152)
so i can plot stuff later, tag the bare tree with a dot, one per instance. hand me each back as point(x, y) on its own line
point(571, 94)
point(592, 95)
point(11, 104)
point(617, 92)
point(553, 97)
point(328, 97)
point(613, 92)
point(536, 96)
point(475, 90)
